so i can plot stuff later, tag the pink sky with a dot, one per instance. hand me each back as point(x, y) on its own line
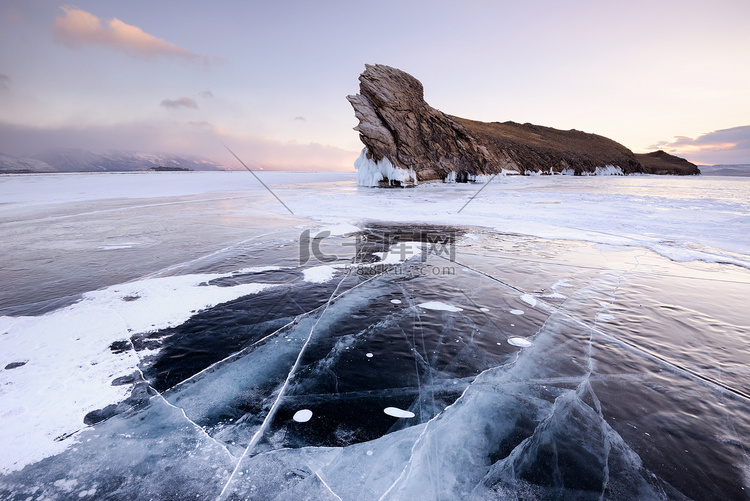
point(270, 80)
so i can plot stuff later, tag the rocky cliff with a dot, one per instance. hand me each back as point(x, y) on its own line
point(408, 142)
point(661, 162)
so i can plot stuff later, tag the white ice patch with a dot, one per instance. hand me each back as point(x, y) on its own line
point(126, 245)
point(370, 173)
point(37, 405)
point(607, 170)
point(67, 485)
point(517, 312)
point(566, 172)
point(400, 252)
point(399, 413)
point(437, 305)
point(303, 416)
point(478, 178)
point(341, 229)
point(256, 269)
point(396, 301)
point(561, 283)
point(604, 316)
point(319, 274)
point(484, 309)
point(521, 342)
point(369, 355)
point(529, 299)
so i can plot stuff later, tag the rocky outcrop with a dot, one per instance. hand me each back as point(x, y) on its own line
point(661, 162)
point(408, 142)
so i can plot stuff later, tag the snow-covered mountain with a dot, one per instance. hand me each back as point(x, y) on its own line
point(742, 170)
point(11, 164)
point(76, 160)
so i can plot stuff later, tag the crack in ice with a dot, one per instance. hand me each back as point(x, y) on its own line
point(274, 408)
point(639, 349)
point(320, 477)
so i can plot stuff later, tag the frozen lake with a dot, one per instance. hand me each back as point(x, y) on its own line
point(185, 335)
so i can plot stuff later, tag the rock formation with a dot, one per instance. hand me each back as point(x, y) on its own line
point(408, 142)
point(660, 162)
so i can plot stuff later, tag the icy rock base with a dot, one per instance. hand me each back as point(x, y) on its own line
point(372, 173)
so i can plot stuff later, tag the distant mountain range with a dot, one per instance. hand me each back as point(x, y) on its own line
point(742, 170)
point(75, 160)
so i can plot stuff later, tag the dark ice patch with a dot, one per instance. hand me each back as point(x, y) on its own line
point(15, 365)
point(120, 346)
point(129, 379)
point(139, 395)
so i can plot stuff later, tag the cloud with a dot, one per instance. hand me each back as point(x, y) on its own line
point(300, 119)
point(163, 136)
point(724, 146)
point(206, 94)
point(79, 28)
point(4, 82)
point(183, 102)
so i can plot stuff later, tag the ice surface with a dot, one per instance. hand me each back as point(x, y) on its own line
point(334, 389)
point(74, 342)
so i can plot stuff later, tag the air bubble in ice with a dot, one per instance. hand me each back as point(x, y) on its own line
point(303, 416)
point(399, 413)
point(437, 305)
point(521, 342)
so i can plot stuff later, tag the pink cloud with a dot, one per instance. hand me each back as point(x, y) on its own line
point(191, 138)
point(78, 28)
point(725, 146)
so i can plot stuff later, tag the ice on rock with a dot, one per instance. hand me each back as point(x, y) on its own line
point(371, 173)
point(607, 170)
